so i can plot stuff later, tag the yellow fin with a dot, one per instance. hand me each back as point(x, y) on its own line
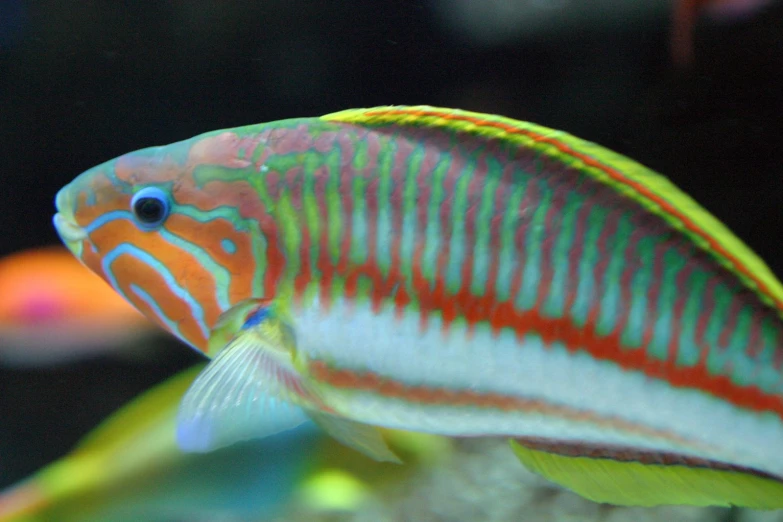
point(632, 483)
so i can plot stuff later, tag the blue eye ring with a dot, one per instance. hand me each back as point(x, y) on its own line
point(150, 207)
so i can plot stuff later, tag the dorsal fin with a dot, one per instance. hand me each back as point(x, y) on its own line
point(650, 190)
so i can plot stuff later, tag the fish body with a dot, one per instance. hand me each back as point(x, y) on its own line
point(443, 271)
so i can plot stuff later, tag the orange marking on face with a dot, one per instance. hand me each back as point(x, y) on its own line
point(241, 264)
point(129, 270)
point(184, 267)
point(86, 214)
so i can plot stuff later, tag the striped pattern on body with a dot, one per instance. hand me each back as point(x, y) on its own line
point(468, 221)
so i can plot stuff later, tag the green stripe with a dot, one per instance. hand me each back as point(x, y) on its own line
point(383, 222)
point(482, 251)
point(633, 334)
point(359, 250)
point(689, 352)
point(459, 209)
point(334, 206)
point(535, 234)
point(507, 260)
point(291, 238)
point(409, 225)
point(611, 300)
point(312, 218)
point(432, 235)
point(659, 345)
point(554, 305)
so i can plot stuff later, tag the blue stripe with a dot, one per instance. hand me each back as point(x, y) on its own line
point(107, 218)
point(221, 275)
point(139, 254)
point(150, 301)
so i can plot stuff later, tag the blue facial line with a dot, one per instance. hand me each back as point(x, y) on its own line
point(160, 268)
point(150, 301)
point(108, 217)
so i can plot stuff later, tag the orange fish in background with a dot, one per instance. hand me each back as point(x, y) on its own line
point(688, 12)
point(54, 310)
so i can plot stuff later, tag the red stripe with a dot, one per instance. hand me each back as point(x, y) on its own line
point(446, 305)
point(575, 255)
point(347, 153)
point(293, 180)
point(680, 282)
point(611, 224)
point(501, 197)
point(547, 245)
point(630, 268)
point(708, 304)
point(432, 158)
point(467, 301)
point(375, 383)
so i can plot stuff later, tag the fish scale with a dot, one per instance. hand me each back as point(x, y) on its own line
point(459, 273)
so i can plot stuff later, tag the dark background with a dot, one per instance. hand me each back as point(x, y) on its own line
point(84, 81)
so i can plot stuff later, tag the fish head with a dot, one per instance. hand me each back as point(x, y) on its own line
point(165, 228)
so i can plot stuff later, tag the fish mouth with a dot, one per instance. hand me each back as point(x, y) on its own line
point(65, 224)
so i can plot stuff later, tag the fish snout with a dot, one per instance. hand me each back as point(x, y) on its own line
point(69, 231)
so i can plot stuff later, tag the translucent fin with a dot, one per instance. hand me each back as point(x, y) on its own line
point(633, 483)
point(243, 393)
point(361, 437)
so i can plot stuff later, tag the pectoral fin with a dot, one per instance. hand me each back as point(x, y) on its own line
point(361, 437)
point(253, 389)
point(249, 390)
point(610, 477)
point(232, 400)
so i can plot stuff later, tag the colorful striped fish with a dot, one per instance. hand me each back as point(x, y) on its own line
point(463, 274)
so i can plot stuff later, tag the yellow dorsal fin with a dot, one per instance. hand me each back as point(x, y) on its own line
point(631, 179)
point(670, 480)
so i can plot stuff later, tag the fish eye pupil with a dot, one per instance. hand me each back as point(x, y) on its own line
point(149, 210)
point(150, 207)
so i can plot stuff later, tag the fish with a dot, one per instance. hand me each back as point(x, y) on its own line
point(53, 311)
point(687, 12)
point(462, 274)
point(130, 468)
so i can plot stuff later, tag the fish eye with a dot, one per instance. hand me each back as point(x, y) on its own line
point(150, 207)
